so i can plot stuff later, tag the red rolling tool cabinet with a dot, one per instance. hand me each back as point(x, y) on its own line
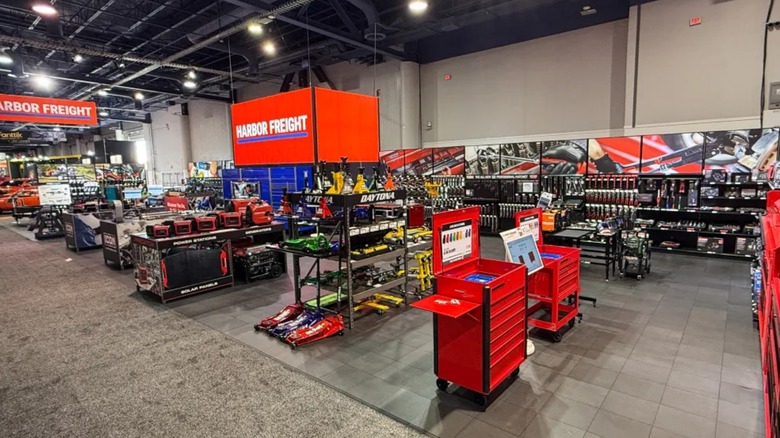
point(479, 310)
point(556, 287)
point(768, 314)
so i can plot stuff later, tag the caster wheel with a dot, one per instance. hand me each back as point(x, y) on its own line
point(622, 275)
point(481, 399)
point(292, 346)
point(515, 373)
point(442, 384)
point(638, 277)
point(556, 337)
point(571, 323)
point(341, 333)
point(380, 312)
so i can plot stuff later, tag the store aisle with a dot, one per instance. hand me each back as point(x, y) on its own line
point(83, 355)
point(674, 355)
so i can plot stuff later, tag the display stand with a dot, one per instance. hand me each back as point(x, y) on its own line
point(555, 287)
point(79, 235)
point(479, 310)
point(180, 266)
point(347, 234)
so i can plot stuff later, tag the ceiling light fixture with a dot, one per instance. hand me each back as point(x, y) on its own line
point(418, 6)
point(103, 114)
point(192, 75)
point(56, 129)
point(78, 58)
point(5, 58)
point(255, 28)
point(190, 84)
point(269, 48)
point(587, 10)
point(43, 82)
point(102, 93)
point(90, 153)
point(138, 96)
point(42, 8)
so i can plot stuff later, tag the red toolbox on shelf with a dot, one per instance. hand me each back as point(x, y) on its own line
point(555, 287)
point(479, 307)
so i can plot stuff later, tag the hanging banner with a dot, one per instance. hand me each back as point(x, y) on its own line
point(44, 110)
point(274, 130)
point(347, 126)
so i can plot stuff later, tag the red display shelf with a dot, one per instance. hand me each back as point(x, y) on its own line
point(555, 287)
point(480, 327)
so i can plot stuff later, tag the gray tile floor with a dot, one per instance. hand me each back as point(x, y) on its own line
point(674, 355)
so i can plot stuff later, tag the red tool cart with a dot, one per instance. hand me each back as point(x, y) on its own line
point(556, 287)
point(478, 306)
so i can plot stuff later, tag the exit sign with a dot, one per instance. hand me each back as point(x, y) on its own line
point(695, 21)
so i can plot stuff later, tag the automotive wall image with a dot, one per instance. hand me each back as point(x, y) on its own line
point(568, 157)
point(614, 155)
point(520, 158)
point(392, 162)
point(745, 151)
point(449, 161)
point(672, 153)
point(52, 173)
point(482, 160)
point(418, 161)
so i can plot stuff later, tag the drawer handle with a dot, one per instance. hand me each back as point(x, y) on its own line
point(499, 286)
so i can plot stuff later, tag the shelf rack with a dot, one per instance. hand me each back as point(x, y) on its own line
point(346, 233)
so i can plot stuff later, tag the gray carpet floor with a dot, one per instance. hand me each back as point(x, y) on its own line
point(83, 355)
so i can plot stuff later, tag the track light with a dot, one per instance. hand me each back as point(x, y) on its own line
point(138, 96)
point(5, 58)
point(192, 75)
point(418, 6)
point(78, 58)
point(45, 9)
point(255, 28)
point(190, 84)
point(56, 129)
point(269, 48)
point(43, 82)
point(103, 113)
point(102, 93)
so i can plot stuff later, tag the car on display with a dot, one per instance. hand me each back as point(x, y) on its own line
point(12, 186)
point(22, 198)
point(316, 243)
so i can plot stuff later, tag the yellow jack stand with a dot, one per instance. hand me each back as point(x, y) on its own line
point(389, 184)
point(360, 185)
point(338, 184)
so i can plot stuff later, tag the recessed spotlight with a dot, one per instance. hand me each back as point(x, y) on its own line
point(269, 48)
point(418, 6)
point(42, 8)
point(103, 93)
point(255, 28)
point(192, 75)
point(78, 58)
point(103, 114)
point(43, 82)
point(138, 96)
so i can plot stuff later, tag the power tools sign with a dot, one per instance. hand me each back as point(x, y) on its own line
point(274, 130)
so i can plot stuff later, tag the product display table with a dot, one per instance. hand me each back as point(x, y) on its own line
point(180, 266)
point(603, 252)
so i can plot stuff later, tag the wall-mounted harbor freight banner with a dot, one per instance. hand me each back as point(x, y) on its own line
point(44, 110)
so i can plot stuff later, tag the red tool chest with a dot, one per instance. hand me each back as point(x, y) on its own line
point(769, 314)
point(480, 327)
point(556, 287)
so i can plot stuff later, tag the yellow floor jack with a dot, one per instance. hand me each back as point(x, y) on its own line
point(360, 183)
point(379, 303)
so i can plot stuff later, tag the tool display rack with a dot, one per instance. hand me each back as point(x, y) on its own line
point(635, 253)
point(148, 254)
point(555, 287)
point(706, 211)
point(345, 259)
point(768, 319)
point(480, 330)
